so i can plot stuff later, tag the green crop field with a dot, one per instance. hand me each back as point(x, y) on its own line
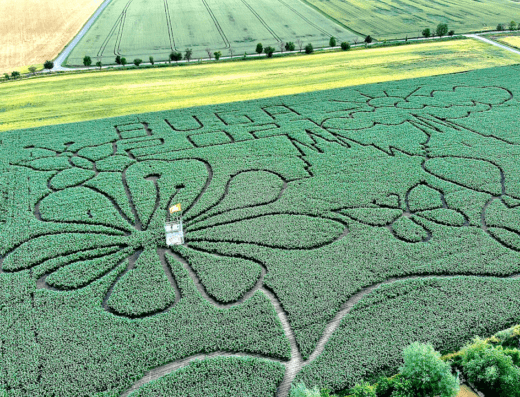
point(401, 18)
point(54, 99)
point(325, 231)
point(143, 28)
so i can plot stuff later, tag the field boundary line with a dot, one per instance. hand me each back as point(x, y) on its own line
point(62, 57)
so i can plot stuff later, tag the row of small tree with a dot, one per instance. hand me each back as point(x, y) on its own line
point(511, 25)
point(440, 30)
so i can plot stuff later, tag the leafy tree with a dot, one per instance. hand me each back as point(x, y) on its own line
point(332, 42)
point(309, 49)
point(300, 44)
point(15, 74)
point(217, 54)
point(269, 51)
point(32, 69)
point(99, 64)
point(48, 65)
point(512, 25)
point(427, 32)
point(123, 61)
point(259, 48)
point(175, 56)
point(118, 59)
point(87, 61)
point(363, 390)
point(451, 32)
point(188, 53)
point(442, 29)
point(500, 27)
point(151, 60)
point(345, 46)
point(300, 390)
point(6, 76)
point(491, 369)
point(290, 46)
point(428, 374)
point(138, 61)
point(368, 40)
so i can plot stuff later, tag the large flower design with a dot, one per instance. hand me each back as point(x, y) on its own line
point(114, 207)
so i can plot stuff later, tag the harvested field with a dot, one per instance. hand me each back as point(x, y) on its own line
point(71, 98)
point(33, 31)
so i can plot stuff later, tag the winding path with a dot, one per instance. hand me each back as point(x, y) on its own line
point(296, 363)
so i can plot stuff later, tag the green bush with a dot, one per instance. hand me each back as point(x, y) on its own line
point(428, 374)
point(300, 390)
point(363, 389)
point(345, 46)
point(491, 369)
point(309, 49)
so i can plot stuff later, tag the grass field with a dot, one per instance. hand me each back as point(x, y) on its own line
point(385, 19)
point(513, 41)
point(143, 28)
point(325, 232)
point(71, 98)
point(33, 31)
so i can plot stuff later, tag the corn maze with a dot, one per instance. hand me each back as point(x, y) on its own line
point(324, 232)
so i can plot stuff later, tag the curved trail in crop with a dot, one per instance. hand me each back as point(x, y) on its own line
point(296, 363)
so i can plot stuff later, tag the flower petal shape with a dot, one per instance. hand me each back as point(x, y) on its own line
point(407, 230)
point(142, 290)
point(249, 189)
point(154, 184)
point(475, 174)
point(506, 237)
point(423, 197)
point(373, 216)
point(57, 163)
point(499, 215)
point(81, 205)
point(70, 177)
point(225, 278)
point(287, 231)
point(80, 273)
point(443, 216)
point(39, 249)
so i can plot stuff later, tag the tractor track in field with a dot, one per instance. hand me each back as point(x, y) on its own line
point(296, 363)
point(59, 61)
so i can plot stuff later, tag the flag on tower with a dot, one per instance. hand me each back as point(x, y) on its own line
point(175, 208)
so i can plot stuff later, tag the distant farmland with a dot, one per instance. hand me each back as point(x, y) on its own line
point(398, 18)
point(141, 28)
point(35, 30)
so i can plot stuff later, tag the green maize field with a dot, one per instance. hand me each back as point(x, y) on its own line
point(325, 231)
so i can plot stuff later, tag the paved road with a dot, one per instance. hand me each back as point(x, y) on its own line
point(485, 40)
point(58, 62)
